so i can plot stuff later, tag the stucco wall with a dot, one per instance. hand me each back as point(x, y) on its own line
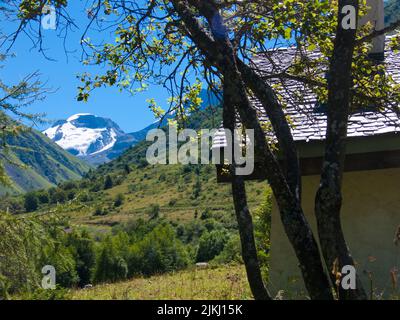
point(370, 216)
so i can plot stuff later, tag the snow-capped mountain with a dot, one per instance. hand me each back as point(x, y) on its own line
point(98, 140)
point(93, 138)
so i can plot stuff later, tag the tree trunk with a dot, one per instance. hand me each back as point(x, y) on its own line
point(243, 216)
point(329, 196)
point(296, 226)
point(220, 52)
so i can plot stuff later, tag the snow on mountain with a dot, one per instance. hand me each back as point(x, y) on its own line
point(98, 140)
point(88, 136)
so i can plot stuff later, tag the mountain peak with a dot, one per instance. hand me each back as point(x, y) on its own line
point(85, 134)
point(93, 138)
point(78, 115)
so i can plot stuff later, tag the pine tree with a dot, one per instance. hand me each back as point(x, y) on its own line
point(108, 183)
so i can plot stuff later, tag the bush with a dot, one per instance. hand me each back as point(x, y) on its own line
point(63, 261)
point(30, 202)
point(172, 202)
point(69, 185)
point(193, 231)
point(96, 187)
point(43, 197)
point(160, 251)
point(206, 214)
point(262, 231)
point(119, 200)
point(210, 245)
point(108, 182)
point(153, 211)
point(127, 169)
point(100, 211)
point(71, 194)
point(58, 196)
point(232, 252)
point(82, 247)
point(84, 197)
point(110, 266)
point(196, 189)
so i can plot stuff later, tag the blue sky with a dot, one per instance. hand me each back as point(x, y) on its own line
point(130, 112)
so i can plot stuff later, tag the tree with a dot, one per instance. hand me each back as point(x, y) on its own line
point(84, 253)
point(158, 252)
point(31, 202)
point(119, 200)
point(211, 244)
point(23, 243)
point(13, 98)
point(108, 182)
point(196, 188)
point(110, 266)
point(216, 41)
point(153, 211)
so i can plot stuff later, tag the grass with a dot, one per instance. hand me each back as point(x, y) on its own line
point(143, 188)
point(220, 283)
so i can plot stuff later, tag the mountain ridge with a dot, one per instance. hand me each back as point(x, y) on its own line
point(98, 140)
point(94, 139)
point(34, 162)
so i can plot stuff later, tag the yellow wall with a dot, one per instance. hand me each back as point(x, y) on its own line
point(370, 216)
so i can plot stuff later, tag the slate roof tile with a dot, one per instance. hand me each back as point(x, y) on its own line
point(307, 125)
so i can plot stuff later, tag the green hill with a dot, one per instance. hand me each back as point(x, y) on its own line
point(35, 162)
point(145, 220)
point(180, 192)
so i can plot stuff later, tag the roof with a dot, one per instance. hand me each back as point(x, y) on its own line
point(309, 125)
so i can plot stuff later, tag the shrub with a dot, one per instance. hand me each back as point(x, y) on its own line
point(160, 251)
point(30, 202)
point(84, 197)
point(43, 197)
point(262, 231)
point(47, 295)
point(210, 245)
point(96, 187)
point(172, 202)
point(108, 182)
point(119, 200)
point(132, 188)
point(232, 252)
point(100, 211)
point(110, 266)
point(63, 261)
point(69, 185)
point(71, 195)
point(196, 188)
point(193, 231)
point(206, 214)
point(82, 247)
point(127, 169)
point(153, 211)
point(58, 196)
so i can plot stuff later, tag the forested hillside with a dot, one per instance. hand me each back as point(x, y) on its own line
point(137, 219)
point(34, 162)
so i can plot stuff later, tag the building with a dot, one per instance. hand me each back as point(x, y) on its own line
point(371, 188)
